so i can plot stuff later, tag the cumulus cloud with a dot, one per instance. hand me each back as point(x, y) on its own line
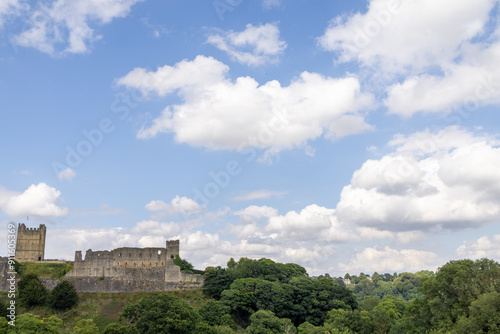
point(407, 33)
point(154, 228)
point(66, 174)
point(419, 186)
point(462, 88)
point(38, 200)
point(314, 224)
point(256, 45)
point(68, 24)
point(386, 259)
point(258, 194)
point(256, 212)
point(219, 113)
point(448, 57)
point(486, 246)
point(177, 205)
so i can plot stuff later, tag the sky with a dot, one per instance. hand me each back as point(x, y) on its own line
point(344, 136)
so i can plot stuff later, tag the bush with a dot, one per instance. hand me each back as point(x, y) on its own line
point(31, 291)
point(32, 324)
point(64, 296)
point(115, 328)
point(85, 326)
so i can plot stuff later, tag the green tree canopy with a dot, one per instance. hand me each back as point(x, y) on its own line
point(86, 326)
point(161, 313)
point(28, 323)
point(31, 291)
point(63, 296)
point(266, 322)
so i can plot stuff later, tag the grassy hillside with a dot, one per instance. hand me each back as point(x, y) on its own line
point(105, 308)
point(44, 270)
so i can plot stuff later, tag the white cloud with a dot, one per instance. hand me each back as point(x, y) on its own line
point(157, 229)
point(407, 33)
point(446, 53)
point(258, 194)
point(10, 8)
point(219, 113)
point(256, 45)
point(486, 246)
point(177, 205)
point(256, 212)
point(462, 88)
point(387, 259)
point(37, 200)
point(268, 4)
point(67, 23)
point(67, 174)
point(428, 182)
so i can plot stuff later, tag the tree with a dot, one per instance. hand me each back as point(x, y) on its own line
point(160, 313)
point(308, 328)
point(350, 321)
point(3, 325)
point(114, 328)
point(216, 313)
point(265, 322)
point(63, 296)
point(28, 323)
point(386, 313)
point(216, 280)
point(31, 291)
point(85, 326)
point(184, 264)
point(457, 284)
point(240, 298)
point(484, 316)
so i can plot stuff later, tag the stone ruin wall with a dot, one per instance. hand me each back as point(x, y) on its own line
point(121, 263)
point(135, 268)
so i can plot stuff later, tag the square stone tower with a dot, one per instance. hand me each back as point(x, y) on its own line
point(30, 245)
point(172, 272)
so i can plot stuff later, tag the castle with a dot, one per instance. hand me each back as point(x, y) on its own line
point(119, 270)
point(150, 264)
point(30, 244)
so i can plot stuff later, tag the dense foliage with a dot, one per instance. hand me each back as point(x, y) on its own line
point(160, 313)
point(261, 296)
point(219, 279)
point(31, 291)
point(63, 296)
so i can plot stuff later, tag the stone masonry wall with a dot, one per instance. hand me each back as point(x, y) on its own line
point(131, 269)
point(30, 243)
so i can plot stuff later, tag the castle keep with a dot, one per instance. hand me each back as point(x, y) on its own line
point(30, 244)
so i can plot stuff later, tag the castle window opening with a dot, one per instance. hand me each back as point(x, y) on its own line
point(159, 252)
point(119, 254)
point(171, 256)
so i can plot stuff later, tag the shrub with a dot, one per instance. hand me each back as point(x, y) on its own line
point(64, 296)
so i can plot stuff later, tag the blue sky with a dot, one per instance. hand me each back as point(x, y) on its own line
point(348, 136)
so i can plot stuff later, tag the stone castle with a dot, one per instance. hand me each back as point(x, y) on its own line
point(119, 270)
point(30, 244)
